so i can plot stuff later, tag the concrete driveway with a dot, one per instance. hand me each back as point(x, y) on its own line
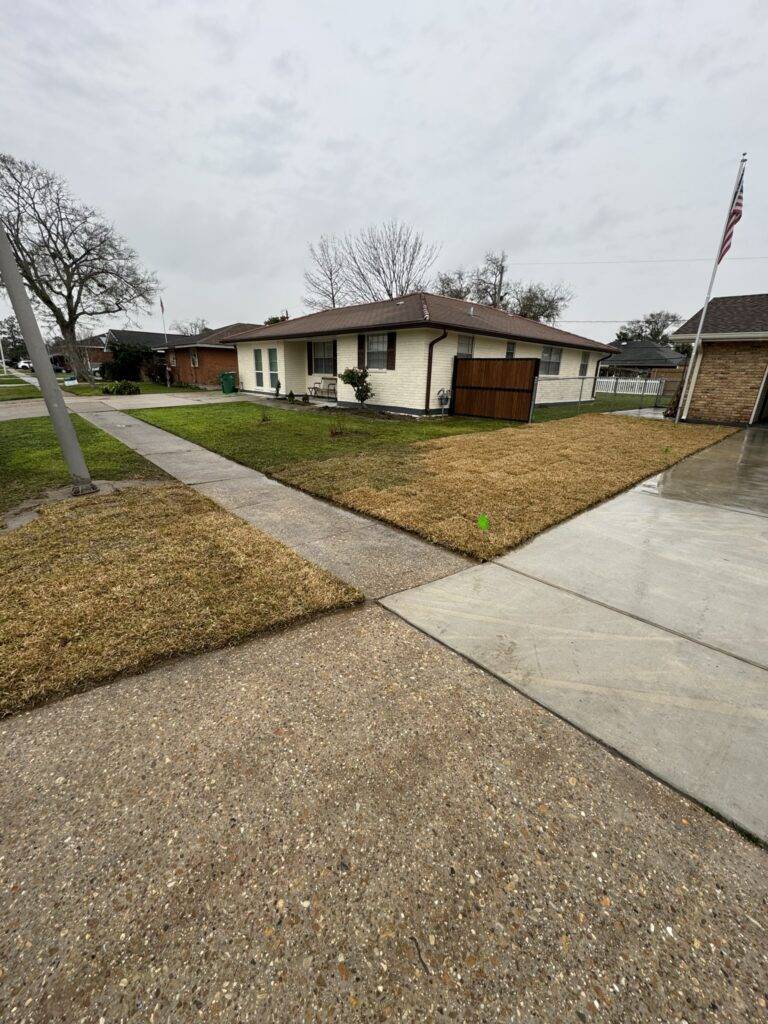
point(643, 622)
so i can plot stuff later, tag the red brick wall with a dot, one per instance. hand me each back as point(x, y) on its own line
point(728, 381)
point(211, 362)
point(96, 354)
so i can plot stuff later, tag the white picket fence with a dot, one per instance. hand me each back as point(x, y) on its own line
point(628, 386)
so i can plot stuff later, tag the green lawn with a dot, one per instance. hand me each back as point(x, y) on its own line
point(11, 393)
point(601, 403)
point(237, 431)
point(30, 460)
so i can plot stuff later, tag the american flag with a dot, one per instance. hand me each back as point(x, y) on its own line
point(734, 216)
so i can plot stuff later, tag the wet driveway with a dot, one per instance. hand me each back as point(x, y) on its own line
point(643, 622)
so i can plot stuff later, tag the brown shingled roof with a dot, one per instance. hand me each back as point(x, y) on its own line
point(731, 314)
point(219, 336)
point(421, 309)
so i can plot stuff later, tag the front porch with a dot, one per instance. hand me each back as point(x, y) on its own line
point(302, 367)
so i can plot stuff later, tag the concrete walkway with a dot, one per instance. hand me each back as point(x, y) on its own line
point(27, 408)
point(642, 622)
point(375, 558)
point(346, 821)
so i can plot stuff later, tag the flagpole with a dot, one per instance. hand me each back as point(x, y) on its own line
point(693, 365)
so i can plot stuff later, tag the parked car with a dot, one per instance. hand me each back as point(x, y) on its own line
point(25, 364)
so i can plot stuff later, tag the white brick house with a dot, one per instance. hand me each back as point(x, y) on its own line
point(408, 346)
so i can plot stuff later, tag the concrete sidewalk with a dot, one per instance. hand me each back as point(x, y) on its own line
point(642, 622)
point(346, 821)
point(27, 408)
point(376, 558)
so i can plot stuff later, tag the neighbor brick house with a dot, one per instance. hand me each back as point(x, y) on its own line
point(729, 379)
point(409, 345)
point(98, 347)
point(199, 360)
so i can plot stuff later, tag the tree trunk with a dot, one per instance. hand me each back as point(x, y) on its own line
point(76, 355)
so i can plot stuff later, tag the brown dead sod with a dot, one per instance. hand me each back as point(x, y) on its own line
point(525, 479)
point(107, 584)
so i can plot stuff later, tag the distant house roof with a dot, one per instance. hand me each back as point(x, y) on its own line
point(208, 338)
point(157, 341)
point(422, 309)
point(146, 339)
point(641, 353)
point(730, 314)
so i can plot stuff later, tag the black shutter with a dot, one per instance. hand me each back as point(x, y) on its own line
point(335, 366)
point(391, 349)
point(361, 351)
point(310, 368)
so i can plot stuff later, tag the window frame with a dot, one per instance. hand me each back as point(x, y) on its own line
point(511, 349)
point(545, 367)
point(194, 358)
point(323, 360)
point(258, 367)
point(465, 338)
point(171, 358)
point(382, 352)
point(274, 374)
point(584, 364)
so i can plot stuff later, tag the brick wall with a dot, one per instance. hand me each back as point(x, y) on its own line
point(211, 362)
point(97, 355)
point(728, 381)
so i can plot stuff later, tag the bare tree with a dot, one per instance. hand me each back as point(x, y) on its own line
point(385, 261)
point(326, 282)
point(382, 261)
point(538, 301)
point(77, 267)
point(456, 285)
point(191, 327)
point(488, 284)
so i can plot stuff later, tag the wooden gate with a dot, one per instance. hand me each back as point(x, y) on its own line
point(503, 389)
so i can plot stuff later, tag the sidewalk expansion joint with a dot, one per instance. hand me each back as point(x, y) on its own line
point(637, 618)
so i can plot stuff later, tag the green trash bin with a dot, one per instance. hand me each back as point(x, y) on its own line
point(228, 381)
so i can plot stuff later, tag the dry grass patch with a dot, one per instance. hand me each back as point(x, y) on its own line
point(108, 584)
point(525, 479)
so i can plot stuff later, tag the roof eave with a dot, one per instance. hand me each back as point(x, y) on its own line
point(725, 336)
point(488, 332)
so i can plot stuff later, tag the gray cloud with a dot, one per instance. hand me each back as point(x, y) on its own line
point(222, 140)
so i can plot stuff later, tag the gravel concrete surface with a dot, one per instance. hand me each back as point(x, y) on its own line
point(345, 821)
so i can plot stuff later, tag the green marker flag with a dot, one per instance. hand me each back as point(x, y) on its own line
point(483, 522)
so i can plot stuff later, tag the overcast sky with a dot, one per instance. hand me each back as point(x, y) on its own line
point(222, 138)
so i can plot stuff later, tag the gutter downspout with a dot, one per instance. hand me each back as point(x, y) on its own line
point(429, 369)
point(597, 373)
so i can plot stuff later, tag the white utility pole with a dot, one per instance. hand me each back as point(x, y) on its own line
point(38, 354)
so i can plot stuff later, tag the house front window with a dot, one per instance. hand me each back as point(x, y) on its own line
point(511, 346)
point(584, 364)
point(466, 346)
point(272, 357)
point(322, 357)
point(171, 358)
point(376, 351)
point(193, 357)
point(550, 360)
point(258, 364)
